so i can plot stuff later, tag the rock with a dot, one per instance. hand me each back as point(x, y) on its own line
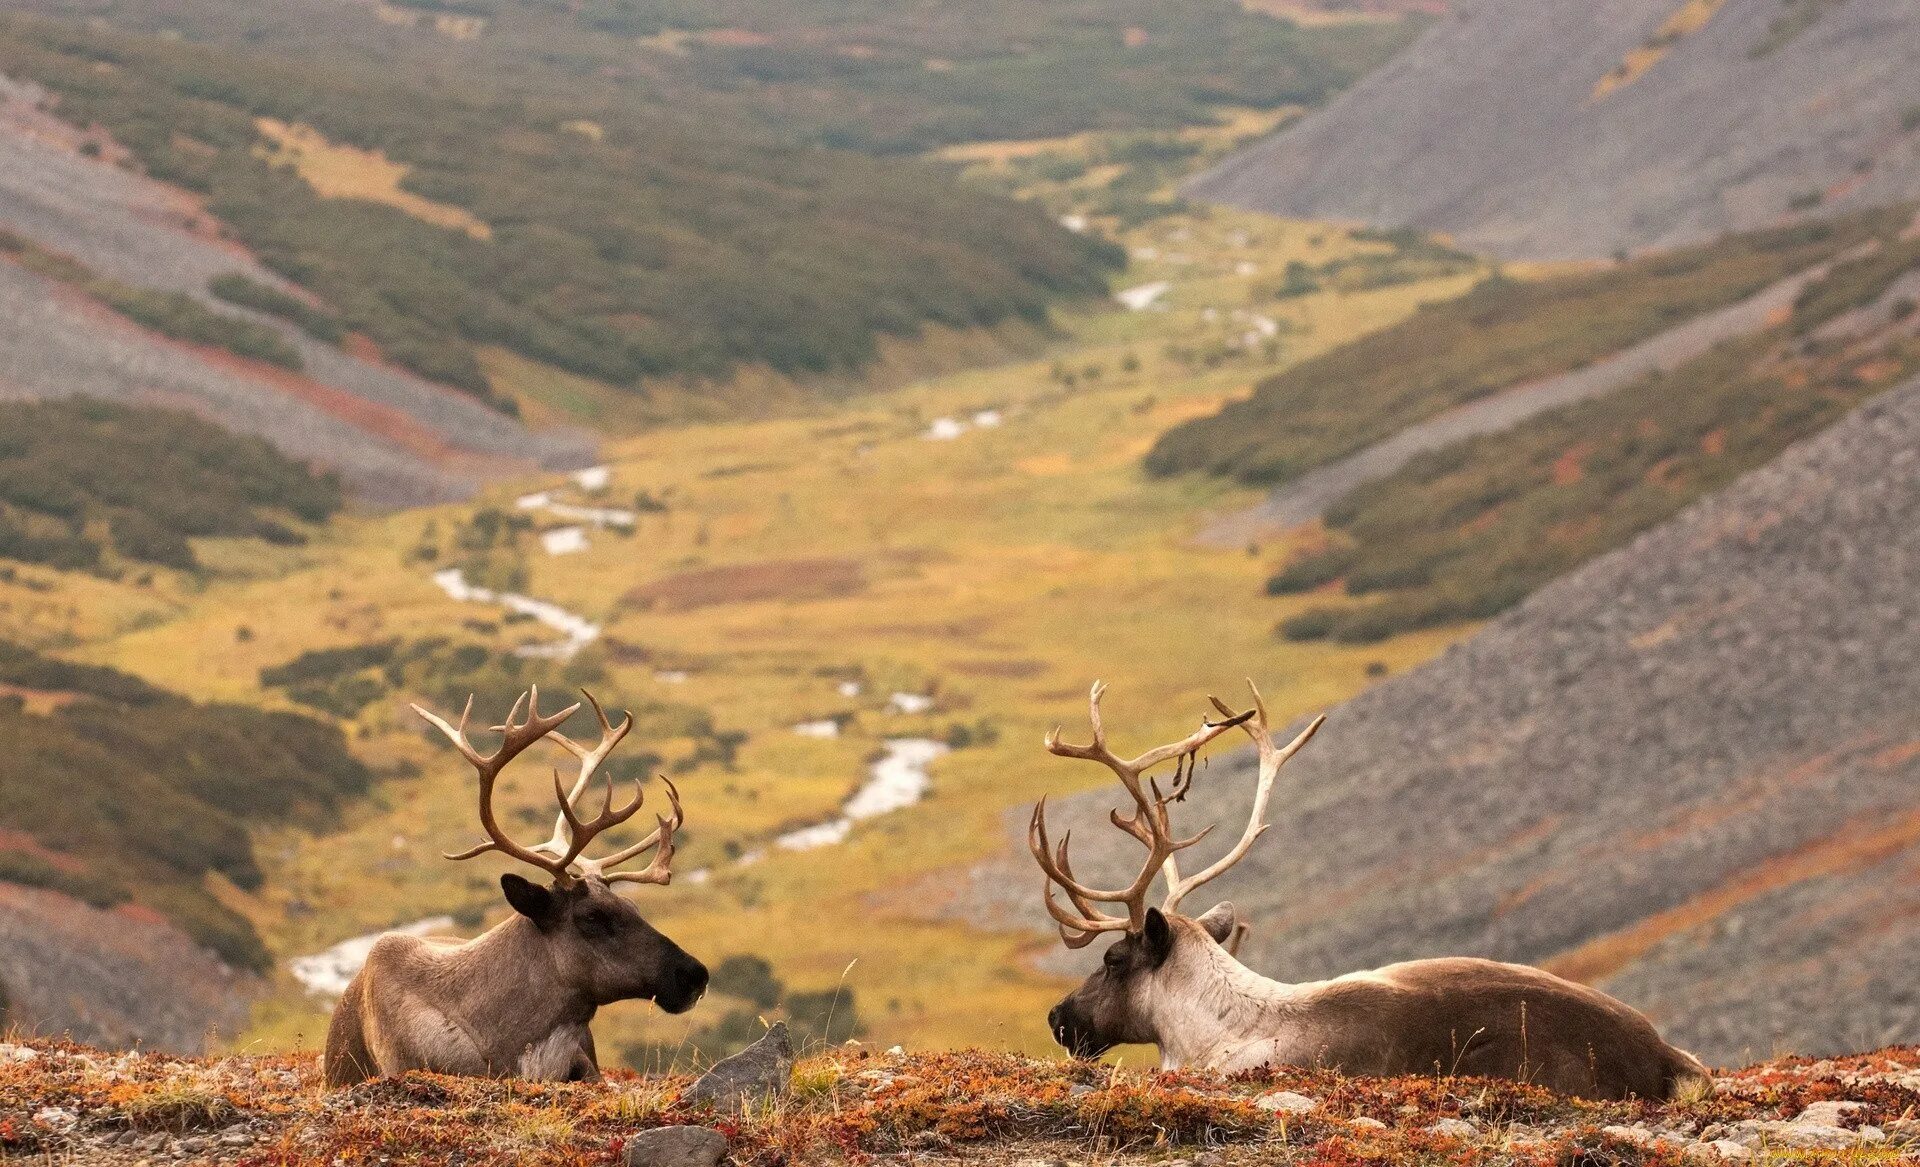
point(1828, 1113)
point(1903, 1130)
point(1079, 1090)
point(58, 1118)
point(1459, 1128)
point(17, 1053)
point(1285, 1101)
point(1728, 1149)
point(1797, 1135)
point(1369, 1124)
point(676, 1146)
point(755, 1075)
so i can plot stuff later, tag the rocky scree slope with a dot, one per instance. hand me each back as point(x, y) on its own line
point(1557, 128)
point(1688, 773)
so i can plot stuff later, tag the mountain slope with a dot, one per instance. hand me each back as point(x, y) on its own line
point(1564, 128)
point(395, 438)
point(1687, 772)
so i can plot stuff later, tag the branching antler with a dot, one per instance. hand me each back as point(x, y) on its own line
point(1271, 759)
point(1148, 823)
point(560, 855)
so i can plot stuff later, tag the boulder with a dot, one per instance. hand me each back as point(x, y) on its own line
point(758, 1074)
point(676, 1146)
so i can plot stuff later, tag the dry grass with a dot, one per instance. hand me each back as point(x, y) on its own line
point(70, 1104)
point(1689, 18)
point(337, 171)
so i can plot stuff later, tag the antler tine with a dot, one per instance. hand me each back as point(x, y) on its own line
point(660, 870)
point(1271, 760)
point(674, 818)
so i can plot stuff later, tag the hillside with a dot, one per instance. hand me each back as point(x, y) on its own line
point(869, 76)
point(117, 793)
point(1684, 773)
point(89, 244)
point(622, 250)
point(847, 1104)
point(1569, 129)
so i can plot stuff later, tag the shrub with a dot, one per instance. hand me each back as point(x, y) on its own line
point(152, 478)
point(235, 288)
point(749, 978)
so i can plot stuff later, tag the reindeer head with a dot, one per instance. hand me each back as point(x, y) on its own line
point(595, 941)
point(1148, 976)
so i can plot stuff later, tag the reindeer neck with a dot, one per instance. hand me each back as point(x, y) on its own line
point(1212, 1005)
point(511, 964)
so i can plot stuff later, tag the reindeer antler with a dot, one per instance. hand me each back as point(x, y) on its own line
point(1148, 823)
point(561, 853)
point(1271, 759)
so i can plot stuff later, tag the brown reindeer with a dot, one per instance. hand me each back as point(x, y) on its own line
point(1173, 981)
point(516, 1002)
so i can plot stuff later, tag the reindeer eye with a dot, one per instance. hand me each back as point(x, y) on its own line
point(1113, 958)
point(594, 926)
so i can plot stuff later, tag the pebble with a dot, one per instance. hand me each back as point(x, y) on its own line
point(1728, 1149)
point(1459, 1128)
point(17, 1053)
point(1285, 1100)
point(1369, 1124)
point(1828, 1113)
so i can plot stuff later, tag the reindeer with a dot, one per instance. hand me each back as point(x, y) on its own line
point(516, 1001)
point(1174, 981)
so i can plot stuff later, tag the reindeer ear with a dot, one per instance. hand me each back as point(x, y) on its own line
point(531, 900)
point(1221, 921)
point(1158, 938)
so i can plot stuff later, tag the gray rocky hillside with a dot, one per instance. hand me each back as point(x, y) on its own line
point(1501, 126)
point(1689, 773)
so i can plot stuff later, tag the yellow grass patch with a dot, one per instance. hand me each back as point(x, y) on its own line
point(347, 172)
point(1688, 19)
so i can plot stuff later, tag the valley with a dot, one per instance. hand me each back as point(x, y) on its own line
point(846, 444)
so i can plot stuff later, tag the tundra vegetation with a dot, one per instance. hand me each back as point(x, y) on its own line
point(87, 485)
point(1465, 532)
point(128, 793)
point(66, 1102)
point(655, 250)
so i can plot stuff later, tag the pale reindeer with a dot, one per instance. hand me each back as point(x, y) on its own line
point(1174, 982)
point(516, 1002)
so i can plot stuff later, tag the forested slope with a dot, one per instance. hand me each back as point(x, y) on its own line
point(644, 247)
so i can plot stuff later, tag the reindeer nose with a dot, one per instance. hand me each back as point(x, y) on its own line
point(1057, 1025)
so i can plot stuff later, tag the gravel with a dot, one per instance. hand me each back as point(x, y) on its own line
point(1487, 128)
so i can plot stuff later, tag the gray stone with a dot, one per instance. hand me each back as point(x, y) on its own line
point(1459, 1128)
point(1371, 1124)
point(1728, 1149)
point(676, 1146)
point(1797, 1135)
point(1828, 1113)
point(1286, 1101)
point(761, 1072)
